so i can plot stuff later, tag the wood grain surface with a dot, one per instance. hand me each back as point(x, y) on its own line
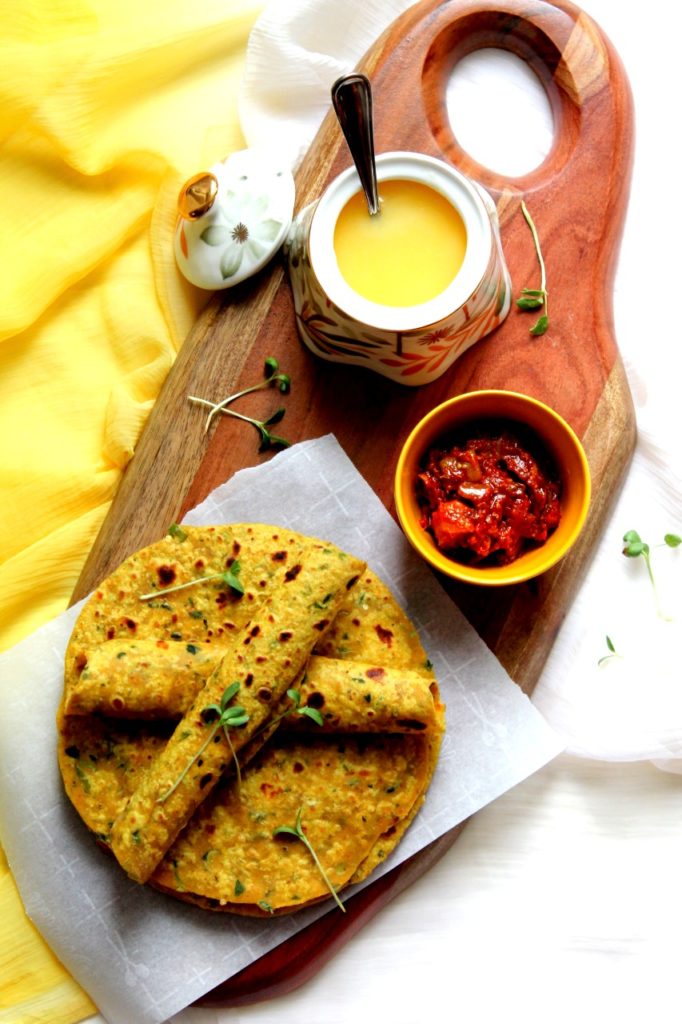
point(577, 198)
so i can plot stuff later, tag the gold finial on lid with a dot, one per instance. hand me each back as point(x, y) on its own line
point(197, 195)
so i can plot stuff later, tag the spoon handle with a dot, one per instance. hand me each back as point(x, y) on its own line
point(352, 100)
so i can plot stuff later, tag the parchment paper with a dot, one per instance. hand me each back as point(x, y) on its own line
point(143, 956)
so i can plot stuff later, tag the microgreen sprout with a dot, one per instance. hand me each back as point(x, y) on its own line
point(267, 438)
point(298, 832)
point(230, 577)
point(224, 716)
point(227, 716)
point(635, 547)
point(306, 711)
point(535, 298)
point(177, 531)
point(272, 378)
point(613, 653)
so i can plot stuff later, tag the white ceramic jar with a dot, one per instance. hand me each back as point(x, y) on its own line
point(410, 344)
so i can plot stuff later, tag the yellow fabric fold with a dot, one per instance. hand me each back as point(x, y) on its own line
point(33, 984)
point(106, 107)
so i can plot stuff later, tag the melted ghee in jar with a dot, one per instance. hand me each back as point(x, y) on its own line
point(406, 254)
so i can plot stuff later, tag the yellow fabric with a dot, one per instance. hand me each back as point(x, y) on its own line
point(106, 107)
point(33, 984)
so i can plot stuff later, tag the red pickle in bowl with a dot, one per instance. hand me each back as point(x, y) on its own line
point(487, 497)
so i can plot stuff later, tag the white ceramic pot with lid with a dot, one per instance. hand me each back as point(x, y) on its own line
point(413, 344)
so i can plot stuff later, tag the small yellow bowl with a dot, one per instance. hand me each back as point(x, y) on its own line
point(554, 436)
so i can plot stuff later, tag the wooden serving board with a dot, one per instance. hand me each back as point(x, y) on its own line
point(577, 198)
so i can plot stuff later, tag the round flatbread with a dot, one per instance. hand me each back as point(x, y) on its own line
point(354, 795)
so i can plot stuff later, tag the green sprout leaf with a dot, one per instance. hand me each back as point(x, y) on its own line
point(529, 303)
point(540, 326)
point(295, 697)
point(231, 577)
point(613, 653)
point(672, 540)
point(177, 531)
point(298, 833)
point(311, 713)
point(634, 545)
point(275, 418)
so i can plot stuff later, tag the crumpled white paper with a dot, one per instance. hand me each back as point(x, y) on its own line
point(629, 707)
point(141, 955)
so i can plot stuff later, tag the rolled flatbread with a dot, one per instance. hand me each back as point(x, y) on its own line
point(159, 679)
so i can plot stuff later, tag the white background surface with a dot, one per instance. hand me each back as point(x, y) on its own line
point(562, 899)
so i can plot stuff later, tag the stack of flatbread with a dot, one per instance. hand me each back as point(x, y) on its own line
point(228, 682)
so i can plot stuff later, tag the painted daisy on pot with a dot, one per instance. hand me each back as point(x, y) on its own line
point(243, 231)
point(233, 219)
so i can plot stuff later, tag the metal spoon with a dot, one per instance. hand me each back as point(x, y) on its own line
point(352, 99)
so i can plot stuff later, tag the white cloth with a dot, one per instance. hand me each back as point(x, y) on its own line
point(561, 899)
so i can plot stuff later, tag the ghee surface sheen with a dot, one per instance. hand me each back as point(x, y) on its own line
point(406, 254)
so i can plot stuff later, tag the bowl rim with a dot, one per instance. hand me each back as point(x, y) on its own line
point(443, 178)
point(526, 566)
